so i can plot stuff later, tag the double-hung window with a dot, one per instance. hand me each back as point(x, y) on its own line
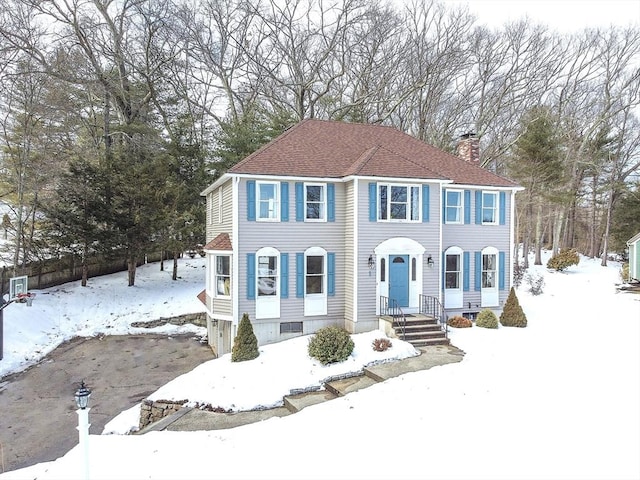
point(489, 270)
point(223, 275)
point(316, 286)
point(453, 206)
point(315, 202)
point(268, 202)
point(398, 202)
point(490, 208)
point(267, 275)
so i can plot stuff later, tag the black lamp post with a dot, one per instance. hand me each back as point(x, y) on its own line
point(82, 400)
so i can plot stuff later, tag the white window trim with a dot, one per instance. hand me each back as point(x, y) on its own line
point(460, 207)
point(453, 297)
point(490, 295)
point(323, 201)
point(316, 303)
point(496, 207)
point(215, 276)
point(276, 201)
point(408, 218)
point(268, 306)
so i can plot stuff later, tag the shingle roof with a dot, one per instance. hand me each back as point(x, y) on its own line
point(221, 242)
point(321, 148)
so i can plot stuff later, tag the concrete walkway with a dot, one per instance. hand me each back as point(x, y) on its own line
point(189, 419)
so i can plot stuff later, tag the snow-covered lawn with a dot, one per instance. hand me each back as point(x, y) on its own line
point(559, 399)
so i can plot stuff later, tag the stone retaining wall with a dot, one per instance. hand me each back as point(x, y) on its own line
point(198, 319)
point(151, 412)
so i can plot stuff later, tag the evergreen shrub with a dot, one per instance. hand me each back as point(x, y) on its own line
point(245, 345)
point(330, 345)
point(487, 319)
point(512, 315)
point(565, 258)
point(458, 321)
point(381, 344)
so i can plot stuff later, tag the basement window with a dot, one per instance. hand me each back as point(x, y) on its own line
point(291, 327)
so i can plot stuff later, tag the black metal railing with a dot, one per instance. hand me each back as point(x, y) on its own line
point(431, 306)
point(389, 307)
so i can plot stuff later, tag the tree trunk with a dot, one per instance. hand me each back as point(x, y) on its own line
point(538, 237)
point(174, 275)
point(131, 270)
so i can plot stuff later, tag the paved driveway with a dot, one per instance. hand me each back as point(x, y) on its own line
point(37, 409)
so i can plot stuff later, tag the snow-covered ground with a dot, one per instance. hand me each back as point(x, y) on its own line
point(559, 399)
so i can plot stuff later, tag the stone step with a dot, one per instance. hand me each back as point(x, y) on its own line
point(295, 403)
point(347, 385)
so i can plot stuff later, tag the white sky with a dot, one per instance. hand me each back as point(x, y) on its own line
point(562, 15)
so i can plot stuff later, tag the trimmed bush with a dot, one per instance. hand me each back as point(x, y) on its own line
point(459, 321)
point(330, 345)
point(564, 259)
point(487, 319)
point(245, 345)
point(512, 315)
point(381, 344)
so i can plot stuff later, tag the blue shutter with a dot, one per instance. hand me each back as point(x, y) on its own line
point(331, 202)
point(467, 206)
point(251, 276)
point(299, 275)
point(478, 276)
point(503, 208)
point(466, 266)
point(425, 203)
point(299, 202)
point(284, 275)
point(331, 274)
point(373, 202)
point(251, 200)
point(284, 201)
point(478, 207)
point(501, 270)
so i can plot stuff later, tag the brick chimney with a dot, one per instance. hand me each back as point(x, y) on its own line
point(469, 148)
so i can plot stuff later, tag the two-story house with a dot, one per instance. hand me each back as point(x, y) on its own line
point(341, 224)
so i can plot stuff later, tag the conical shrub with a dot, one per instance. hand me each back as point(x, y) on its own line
point(245, 345)
point(512, 315)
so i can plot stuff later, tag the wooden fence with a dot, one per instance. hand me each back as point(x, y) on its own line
point(56, 271)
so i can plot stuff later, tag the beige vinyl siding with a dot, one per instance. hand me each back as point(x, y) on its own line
point(292, 237)
point(473, 238)
point(214, 226)
point(371, 234)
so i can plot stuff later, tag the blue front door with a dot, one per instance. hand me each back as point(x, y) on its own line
point(399, 279)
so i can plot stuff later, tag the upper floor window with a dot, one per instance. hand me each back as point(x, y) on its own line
point(398, 202)
point(315, 201)
point(490, 208)
point(268, 201)
point(453, 206)
point(223, 275)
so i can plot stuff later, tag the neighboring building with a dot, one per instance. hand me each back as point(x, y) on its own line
point(634, 258)
point(338, 223)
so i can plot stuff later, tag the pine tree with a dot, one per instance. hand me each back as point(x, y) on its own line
point(512, 315)
point(245, 345)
